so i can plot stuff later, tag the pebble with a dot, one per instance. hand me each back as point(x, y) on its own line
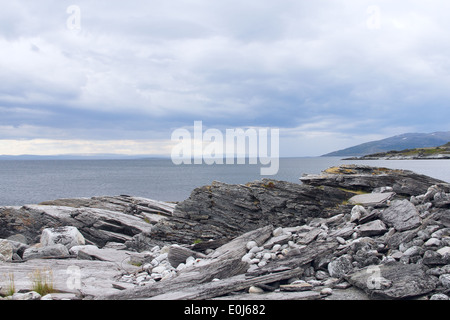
point(433, 242)
point(255, 290)
point(326, 291)
point(439, 296)
point(445, 280)
point(251, 244)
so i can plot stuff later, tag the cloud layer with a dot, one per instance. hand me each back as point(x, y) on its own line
point(329, 74)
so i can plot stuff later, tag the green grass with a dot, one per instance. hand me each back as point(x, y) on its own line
point(11, 287)
point(42, 282)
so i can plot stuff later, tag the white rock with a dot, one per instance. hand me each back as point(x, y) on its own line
point(162, 257)
point(267, 256)
point(443, 251)
point(262, 263)
point(433, 242)
point(6, 250)
point(278, 232)
point(248, 257)
point(445, 280)
point(439, 296)
point(255, 290)
point(251, 244)
point(181, 266)
point(326, 291)
point(68, 236)
point(256, 249)
point(159, 269)
point(276, 248)
point(74, 250)
point(47, 297)
point(357, 212)
point(32, 295)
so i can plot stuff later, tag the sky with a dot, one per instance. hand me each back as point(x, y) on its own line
point(81, 77)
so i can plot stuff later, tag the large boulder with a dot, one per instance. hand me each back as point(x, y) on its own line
point(393, 280)
point(56, 250)
point(6, 250)
point(68, 236)
point(402, 215)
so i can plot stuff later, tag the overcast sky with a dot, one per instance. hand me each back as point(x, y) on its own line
point(119, 76)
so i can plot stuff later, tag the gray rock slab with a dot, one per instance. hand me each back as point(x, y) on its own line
point(69, 276)
point(371, 199)
point(402, 215)
point(56, 250)
point(111, 255)
point(373, 228)
point(393, 281)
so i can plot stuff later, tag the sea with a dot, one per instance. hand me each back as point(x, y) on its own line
point(33, 181)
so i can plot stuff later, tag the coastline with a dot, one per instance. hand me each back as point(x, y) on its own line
point(266, 239)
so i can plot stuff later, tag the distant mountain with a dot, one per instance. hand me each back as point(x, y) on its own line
point(396, 143)
point(442, 152)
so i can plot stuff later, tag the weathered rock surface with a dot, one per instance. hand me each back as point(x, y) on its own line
point(68, 236)
point(283, 240)
point(402, 215)
point(365, 178)
point(394, 280)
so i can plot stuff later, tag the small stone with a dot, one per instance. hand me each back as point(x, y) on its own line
point(326, 291)
point(413, 251)
point(251, 244)
point(297, 286)
point(445, 280)
point(256, 249)
point(159, 269)
point(247, 257)
point(276, 248)
point(6, 249)
point(433, 242)
point(181, 266)
point(439, 296)
point(267, 256)
point(341, 240)
point(357, 212)
point(32, 295)
point(444, 251)
point(278, 232)
point(339, 267)
point(321, 275)
point(397, 255)
point(255, 290)
point(262, 263)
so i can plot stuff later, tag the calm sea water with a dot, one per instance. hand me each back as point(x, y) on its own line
point(33, 181)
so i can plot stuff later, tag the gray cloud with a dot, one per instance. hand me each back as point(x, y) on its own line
point(142, 68)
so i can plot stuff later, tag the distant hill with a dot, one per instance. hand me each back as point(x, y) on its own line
point(396, 143)
point(442, 152)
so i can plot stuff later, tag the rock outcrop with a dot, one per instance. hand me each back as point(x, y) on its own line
point(264, 240)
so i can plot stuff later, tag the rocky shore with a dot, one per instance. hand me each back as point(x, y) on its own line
point(351, 233)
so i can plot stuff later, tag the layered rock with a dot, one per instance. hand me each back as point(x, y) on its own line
point(273, 239)
point(365, 178)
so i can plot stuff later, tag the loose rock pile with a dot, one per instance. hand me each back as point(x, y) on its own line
point(364, 241)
